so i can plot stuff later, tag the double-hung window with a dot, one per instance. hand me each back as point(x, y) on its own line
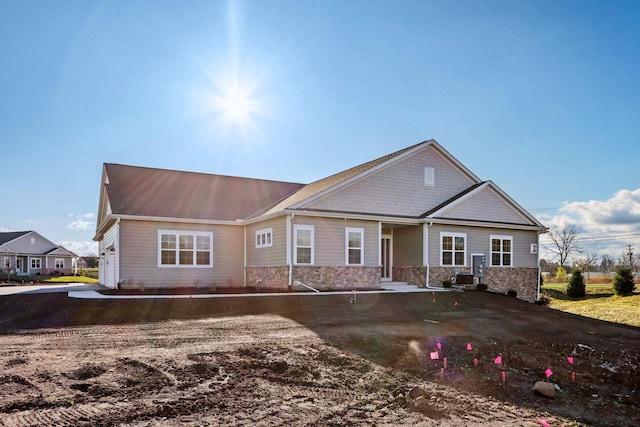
point(185, 249)
point(354, 246)
point(59, 262)
point(264, 238)
point(501, 251)
point(303, 238)
point(453, 249)
point(35, 263)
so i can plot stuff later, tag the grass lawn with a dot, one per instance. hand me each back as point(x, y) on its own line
point(600, 303)
point(71, 279)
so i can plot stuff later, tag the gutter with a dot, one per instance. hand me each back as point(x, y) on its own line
point(288, 246)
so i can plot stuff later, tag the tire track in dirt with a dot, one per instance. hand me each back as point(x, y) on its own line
point(74, 415)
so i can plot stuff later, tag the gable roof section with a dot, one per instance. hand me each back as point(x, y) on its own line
point(150, 192)
point(483, 202)
point(8, 236)
point(61, 251)
point(334, 182)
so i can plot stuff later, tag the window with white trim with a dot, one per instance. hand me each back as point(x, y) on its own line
point(453, 249)
point(185, 249)
point(303, 239)
point(354, 238)
point(264, 238)
point(35, 263)
point(501, 251)
point(59, 263)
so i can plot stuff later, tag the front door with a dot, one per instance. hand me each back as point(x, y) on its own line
point(386, 253)
point(21, 265)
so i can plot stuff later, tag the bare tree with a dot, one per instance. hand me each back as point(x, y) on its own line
point(564, 243)
point(607, 264)
point(587, 264)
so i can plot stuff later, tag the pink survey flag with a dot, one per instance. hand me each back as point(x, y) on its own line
point(544, 423)
point(455, 303)
point(439, 346)
point(570, 359)
point(548, 372)
point(469, 347)
point(434, 355)
point(498, 360)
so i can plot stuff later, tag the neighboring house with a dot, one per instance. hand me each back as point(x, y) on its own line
point(28, 253)
point(417, 216)
point(87, 262)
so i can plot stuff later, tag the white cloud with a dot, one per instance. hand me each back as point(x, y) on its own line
point(81, 225)
point(82, 248)
point(82, 222)
point(603, 226)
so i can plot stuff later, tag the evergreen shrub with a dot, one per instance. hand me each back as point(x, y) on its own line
point(576, 287)
point(623, 282)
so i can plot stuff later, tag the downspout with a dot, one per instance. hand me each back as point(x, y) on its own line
point(116, 267)
point(538, 264)
point(425, 250)
point(288, 245)
point(244, 275)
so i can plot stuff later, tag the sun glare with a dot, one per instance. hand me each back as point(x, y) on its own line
point(236, 105)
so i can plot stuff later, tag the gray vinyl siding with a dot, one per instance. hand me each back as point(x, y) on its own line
point(478, 242)
point(269, 256)
point(486, 206)
point(399, 189)
point(23, 245)
point(139, 256)
point(110, 238)
point(329, 239)
point(407, 246)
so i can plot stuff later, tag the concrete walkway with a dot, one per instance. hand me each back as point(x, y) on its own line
point(49, 288)
point(92, 291)
point(391, 287)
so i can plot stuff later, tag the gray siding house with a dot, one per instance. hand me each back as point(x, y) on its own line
point(417, 216)
point(27, 253)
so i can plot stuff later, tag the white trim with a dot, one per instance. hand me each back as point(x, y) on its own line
point(453, 251)
point(491, 251)
point(347, 231)
point(296, 228)
point(485, 224)
point(288, 245)
point(389, 256)
point(32, 259)
point(264, 238)
point(55, 263)
point(177, 234)
point(380, 243)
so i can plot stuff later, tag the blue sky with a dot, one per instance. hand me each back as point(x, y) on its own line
point(542, 97)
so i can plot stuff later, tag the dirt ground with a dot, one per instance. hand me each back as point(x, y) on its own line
point(311, 360)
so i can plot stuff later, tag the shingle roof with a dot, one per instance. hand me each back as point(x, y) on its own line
point(8, 236)
point(142, 191)
point(452, 199)
point(333, 180)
